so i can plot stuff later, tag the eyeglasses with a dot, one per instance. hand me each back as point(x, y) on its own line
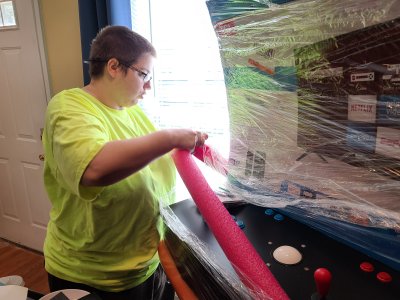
point(145, 76)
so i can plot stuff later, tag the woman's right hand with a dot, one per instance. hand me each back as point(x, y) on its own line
point(187, 139)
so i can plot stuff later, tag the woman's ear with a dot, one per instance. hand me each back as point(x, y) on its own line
point(112, 67)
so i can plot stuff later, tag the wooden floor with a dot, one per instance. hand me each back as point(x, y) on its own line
point(15, 260)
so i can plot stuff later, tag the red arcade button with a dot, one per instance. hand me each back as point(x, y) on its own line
point(384, 277)
point(367, 267)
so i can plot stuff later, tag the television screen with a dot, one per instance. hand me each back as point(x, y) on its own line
point(349, 97)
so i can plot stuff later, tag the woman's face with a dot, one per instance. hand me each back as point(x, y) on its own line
point(134, 82)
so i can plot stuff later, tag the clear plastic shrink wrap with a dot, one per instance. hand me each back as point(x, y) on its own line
point(313, 91)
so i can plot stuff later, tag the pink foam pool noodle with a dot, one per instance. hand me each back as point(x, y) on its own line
point(212, 158)
point(248, 264)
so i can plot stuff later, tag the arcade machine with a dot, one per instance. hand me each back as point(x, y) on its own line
point(311, 205)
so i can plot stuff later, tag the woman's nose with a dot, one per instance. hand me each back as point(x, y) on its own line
point(147, 85)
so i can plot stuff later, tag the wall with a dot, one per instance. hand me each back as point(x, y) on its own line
point(61, 33)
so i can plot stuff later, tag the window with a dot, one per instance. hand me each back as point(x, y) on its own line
point(188, 86)
point(7, 15)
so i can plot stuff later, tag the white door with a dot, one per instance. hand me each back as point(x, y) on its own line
point(24, 206)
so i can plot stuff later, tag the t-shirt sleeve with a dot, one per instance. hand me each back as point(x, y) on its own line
point(78, 135)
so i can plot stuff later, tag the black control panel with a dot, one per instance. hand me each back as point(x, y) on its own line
point(354, 275)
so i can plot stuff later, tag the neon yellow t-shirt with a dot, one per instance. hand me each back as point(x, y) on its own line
point(105, 237)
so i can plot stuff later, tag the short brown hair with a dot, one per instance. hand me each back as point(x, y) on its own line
point(117, 42)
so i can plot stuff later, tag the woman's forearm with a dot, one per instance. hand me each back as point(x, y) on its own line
point(119, 159)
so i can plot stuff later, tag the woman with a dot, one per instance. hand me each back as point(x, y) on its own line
point(106, 169)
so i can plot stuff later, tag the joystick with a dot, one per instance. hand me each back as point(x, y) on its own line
point(322, 279)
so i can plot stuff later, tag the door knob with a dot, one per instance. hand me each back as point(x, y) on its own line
point(41, 157)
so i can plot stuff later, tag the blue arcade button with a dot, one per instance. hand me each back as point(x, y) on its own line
point(240, 223)
point(269, 212)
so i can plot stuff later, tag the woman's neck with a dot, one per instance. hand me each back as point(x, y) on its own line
point(102, 93)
